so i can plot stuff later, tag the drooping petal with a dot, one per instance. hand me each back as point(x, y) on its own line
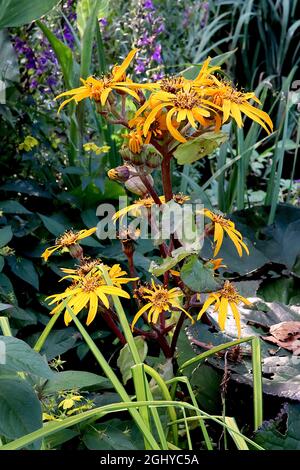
point(223, 308)
point(104, 95)
point(236, 315)
point(173, 131)
point(218, 237)
point(125, 64)
point(139, 314)
point(151, 117)
point(93, 308)
point(210, 300)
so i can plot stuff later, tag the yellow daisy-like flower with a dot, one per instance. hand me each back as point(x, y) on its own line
point(86, 291)
point(98, 89)
point(226, 297)
point(186, 105)
point(222, 225)
point(115, 273)
point(135, 207)
point(159, 300)
point(233, 102)
point(67, 240)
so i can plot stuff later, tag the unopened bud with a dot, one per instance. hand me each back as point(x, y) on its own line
point(76, 251)
point(138, 159)
point(136, 186)
point(152, 157)
point(120, 173)
point(126, 154)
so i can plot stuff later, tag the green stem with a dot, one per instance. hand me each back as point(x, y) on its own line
point(167, 396)
point(114, 380)
point(4, 325)
point(257, 383)
point(123, 321)
point(41, 341)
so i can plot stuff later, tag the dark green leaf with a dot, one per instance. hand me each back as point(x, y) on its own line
point(20, 409)
point(5, 235)
point(58, 342)
point(198, 277)
point(13, 207)
point(54, 227)
point(24, 269)
point(18, 356)
point(283, 432)
point(71, 379)
point(113, 435)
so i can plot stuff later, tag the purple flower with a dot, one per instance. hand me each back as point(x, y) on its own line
point(51, 81)
point(160, 29)
point(140, 66)
point(148, 5)
point(158, 76)
point(103, 22)
point(156, 55)
point(144, 40)
point(33, 83)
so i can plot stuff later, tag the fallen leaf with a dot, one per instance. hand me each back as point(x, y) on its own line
point(285, 334)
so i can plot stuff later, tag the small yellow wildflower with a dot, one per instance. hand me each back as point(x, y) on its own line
point(226, 297)
point(69, 402)
point(92, 147)
point(233, 102)
point(28, 144)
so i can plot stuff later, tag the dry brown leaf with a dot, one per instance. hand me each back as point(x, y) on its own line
point(286, 335)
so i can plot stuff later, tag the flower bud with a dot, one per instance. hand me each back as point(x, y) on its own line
point(136, 186)
point(138, 159)
point(120, 173)
point(126, 154)
point(152, 157)
point(76, 251)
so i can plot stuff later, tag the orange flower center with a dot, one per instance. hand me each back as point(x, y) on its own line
point(160, 298)
point(67, 239)
point(171, 84)
point(90, 284)
point(218, 219)
point(147, 202)
point(87, 266)
point(187, 100)
point(230, 292)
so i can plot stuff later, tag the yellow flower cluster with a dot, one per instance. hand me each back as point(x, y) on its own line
point(92, 147)
point(29, 143)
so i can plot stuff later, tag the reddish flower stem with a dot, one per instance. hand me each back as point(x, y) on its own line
point(114, 328)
